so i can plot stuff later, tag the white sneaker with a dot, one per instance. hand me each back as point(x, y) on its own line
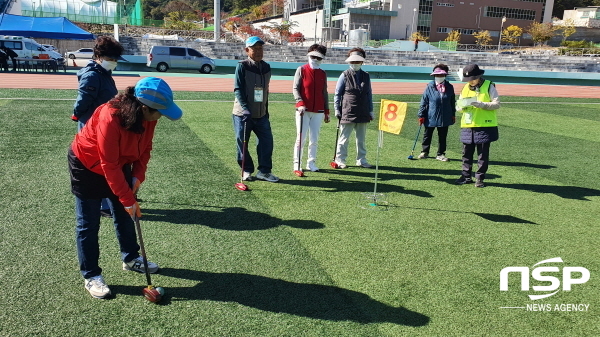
point(423, 155)
point(97, 287)
point(441, 157)
point(137, 264)
point(270, 177)
point(312, 167)
point(247, 176)
point(365, 165)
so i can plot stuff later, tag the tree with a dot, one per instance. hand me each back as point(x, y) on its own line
point(453, 36)
point(541, 32)
point(178, 10)
point(283, 30)
point(418, 35)
point(512, 34)
point(482, 38)
point(568, 29)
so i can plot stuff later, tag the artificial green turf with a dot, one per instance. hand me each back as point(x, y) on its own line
point(302, 257)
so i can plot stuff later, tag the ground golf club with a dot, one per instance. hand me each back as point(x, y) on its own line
point(241, 186)
point(152, 294)
point(298, 172)
point(415, 143)
point(333, 164)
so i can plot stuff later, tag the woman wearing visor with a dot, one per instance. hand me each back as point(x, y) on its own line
point(312, 105)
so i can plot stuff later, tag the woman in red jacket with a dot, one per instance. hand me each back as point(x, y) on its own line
point(312, 105)
point(108, 159)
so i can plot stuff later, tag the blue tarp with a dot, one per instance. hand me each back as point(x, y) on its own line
point(51, 28)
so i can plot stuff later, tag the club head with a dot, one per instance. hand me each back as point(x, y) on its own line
point(410, 157)
point(241, 186)
point(152, 294)
point(299, 173)
point(334, 165)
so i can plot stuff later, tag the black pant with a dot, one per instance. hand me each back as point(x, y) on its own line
point(483, 152)
point(442, 135)
point(14, 62)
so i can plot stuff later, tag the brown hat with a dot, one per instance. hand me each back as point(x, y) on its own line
point(471, 72)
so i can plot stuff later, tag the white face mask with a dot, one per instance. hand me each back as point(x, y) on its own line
point(108, 65)
point(439, 80)
point(314, 64)
point(355, 67)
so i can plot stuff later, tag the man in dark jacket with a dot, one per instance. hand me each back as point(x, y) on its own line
point(13, 56)
point(3, 61)
point(251, 111)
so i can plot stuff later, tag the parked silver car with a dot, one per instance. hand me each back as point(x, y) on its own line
point(81, 53)
point(164, 58)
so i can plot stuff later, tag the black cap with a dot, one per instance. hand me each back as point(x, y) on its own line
point(472, 72)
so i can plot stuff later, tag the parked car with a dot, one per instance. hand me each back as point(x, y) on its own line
point(28, 48)
point(164, 58)
point(83, 53)
point(49, 47)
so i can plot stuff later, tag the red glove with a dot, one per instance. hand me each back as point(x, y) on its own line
point(74, 118)
point(421, 121)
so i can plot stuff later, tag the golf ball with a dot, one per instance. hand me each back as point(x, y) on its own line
point(160, 290)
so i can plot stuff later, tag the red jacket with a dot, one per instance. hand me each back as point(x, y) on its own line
point(313, 89)
point(103, 146)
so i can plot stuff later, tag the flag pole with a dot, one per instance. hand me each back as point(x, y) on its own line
point(379, 146)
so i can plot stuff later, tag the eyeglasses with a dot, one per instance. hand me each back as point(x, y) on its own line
point(316, 58)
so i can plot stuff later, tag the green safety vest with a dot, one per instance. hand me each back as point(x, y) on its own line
point(473, 117)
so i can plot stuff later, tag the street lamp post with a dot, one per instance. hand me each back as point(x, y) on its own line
point(33, 8)
point(500, 36)
point(316, 23)
point(413, 22)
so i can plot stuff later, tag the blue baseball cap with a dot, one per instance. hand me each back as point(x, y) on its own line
point(252, 40)
point(156, 93)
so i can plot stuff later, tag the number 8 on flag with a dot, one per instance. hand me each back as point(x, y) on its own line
point(391, 116)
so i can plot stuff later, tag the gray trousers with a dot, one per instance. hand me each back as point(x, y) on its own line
point(483, 152)
point(342, 146)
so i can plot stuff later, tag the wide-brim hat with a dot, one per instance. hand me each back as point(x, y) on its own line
point(355, 56)
point(252, 40)
point(471, 72)
point(438, 71)
point(316, 53)
point(156, 94)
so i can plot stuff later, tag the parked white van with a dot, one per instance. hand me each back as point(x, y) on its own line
point(28, 48)
point(164, 58)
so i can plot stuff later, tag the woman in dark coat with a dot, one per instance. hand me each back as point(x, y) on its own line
point(437, 110)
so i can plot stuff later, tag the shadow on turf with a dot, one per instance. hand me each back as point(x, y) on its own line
point(520, 164)
point(567, 192)
point(229, 218)
point(407, 173)
point(487, 216)
point(278, 296)
point(344, 185)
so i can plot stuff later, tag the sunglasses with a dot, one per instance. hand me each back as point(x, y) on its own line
point(316, 58)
